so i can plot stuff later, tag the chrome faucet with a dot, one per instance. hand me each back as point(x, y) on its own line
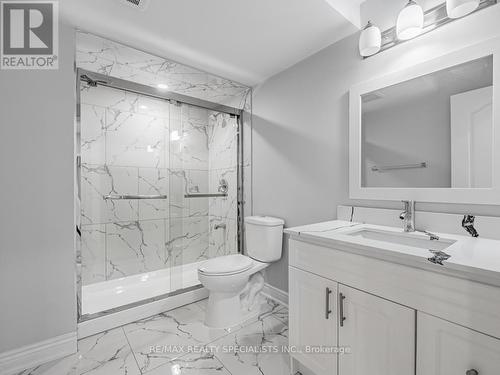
point(408, 216)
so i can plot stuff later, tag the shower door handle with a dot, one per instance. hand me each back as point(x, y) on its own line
point(118, 197)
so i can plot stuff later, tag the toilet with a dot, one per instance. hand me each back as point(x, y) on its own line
point(228, 276)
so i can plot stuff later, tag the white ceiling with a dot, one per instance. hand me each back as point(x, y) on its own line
point(244, 40)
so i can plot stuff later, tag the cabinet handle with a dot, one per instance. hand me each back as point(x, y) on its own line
point(471, 372)
point(341, 309)
point(327, 303)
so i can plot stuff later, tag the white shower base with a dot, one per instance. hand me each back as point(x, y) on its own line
point(111, 294)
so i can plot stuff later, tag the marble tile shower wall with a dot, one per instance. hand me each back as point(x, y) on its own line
point(110, 58)
point(223, 162)
point(132, 144)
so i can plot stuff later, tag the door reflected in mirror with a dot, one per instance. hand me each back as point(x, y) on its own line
point(434, 131)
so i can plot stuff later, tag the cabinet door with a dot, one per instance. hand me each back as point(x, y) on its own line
point(311, 325)
point(380, 335)
point(444, 348)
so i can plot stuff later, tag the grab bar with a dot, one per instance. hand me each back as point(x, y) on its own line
point(201, 195)
point(118, 197)
point(401, 166)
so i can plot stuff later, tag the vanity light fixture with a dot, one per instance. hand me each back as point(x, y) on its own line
point(162, 86)
point(410, 21)
point(174, 136)
point(370, 40)
point(460, 8)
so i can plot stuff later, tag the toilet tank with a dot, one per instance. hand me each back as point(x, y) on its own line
point(264, 237)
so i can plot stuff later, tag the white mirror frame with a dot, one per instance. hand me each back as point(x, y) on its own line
point(443, 195)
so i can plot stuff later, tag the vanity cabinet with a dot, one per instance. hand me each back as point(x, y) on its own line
point(444, 348)
point(393, 319)
point(379, 333)
point(313, 312)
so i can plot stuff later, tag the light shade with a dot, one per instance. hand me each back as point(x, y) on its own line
point(370, 40)
point(410, 21)
point(460, 8)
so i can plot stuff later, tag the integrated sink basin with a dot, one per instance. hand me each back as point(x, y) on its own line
point(413, 239)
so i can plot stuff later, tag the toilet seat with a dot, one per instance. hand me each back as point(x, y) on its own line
point(226, 265)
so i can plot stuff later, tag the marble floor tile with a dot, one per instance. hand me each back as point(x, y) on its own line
point(265, 306)
point(106, 353)
point(282, 314)
point(149, 347)
point(256, 349)
point(206, 364)
point(156, 341)
point(262, 306)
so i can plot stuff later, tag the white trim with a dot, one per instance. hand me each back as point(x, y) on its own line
point(451, 195)
point(276, 294)
point(29, 356)
point(120, 318)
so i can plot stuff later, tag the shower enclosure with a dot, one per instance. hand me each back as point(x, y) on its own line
point(159, 187)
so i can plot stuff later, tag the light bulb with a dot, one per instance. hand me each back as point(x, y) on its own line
point(370, 40)
point(410, 21)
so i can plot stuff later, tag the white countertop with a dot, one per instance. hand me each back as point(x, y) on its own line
point(472, 258)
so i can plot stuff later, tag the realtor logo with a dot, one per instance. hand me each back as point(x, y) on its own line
point(29, 34)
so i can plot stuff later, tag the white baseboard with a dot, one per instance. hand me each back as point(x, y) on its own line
point(274, 293)
point(17, 360)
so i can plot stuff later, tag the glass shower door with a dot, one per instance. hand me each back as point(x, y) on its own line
point(124, 183)
point(158, 189)
point(203, 189)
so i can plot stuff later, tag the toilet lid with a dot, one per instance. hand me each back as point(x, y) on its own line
point(226, 264)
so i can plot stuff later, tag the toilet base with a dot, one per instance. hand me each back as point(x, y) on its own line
point(227, 309)
point(223, 310)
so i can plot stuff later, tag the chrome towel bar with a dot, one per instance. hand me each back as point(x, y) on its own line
point(118, 197)
point(400, 166)
point(201, 195)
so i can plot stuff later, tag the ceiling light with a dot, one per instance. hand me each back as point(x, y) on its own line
point(370, 40)
point(460, 8)
point(162, 86)
point(410, 21)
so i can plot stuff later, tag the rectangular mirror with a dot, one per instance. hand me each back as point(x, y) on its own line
point(428, 133)
point(433, 131)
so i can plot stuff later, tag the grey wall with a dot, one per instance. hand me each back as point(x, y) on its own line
point(300, 125)
point(408, 132)
point(37, 259)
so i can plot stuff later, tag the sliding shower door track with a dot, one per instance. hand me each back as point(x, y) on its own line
point(138, 303)
point(97, 79)
point(91, 324)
